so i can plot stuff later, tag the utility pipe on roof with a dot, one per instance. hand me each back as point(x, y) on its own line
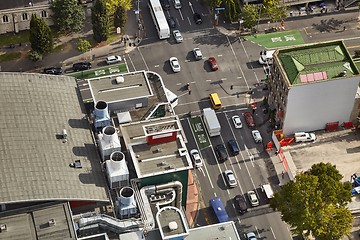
point(178, 186)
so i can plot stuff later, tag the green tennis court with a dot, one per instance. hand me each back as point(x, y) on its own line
point(277, 39)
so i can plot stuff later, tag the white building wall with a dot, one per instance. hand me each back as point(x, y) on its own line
point(311, 106)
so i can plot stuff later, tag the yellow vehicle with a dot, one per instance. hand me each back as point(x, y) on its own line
point(215, 101)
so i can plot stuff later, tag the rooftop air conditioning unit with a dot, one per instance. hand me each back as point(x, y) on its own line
point(119, 80)
point(51, 222)
point(3, 228)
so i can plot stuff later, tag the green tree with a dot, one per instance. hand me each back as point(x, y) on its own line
point(40, 35)
point(100, 21)
point(275, 10)
point(83, 45)
point(120, 17)
point(250, 15)
point(315, 203)
point(69, 15)
point(112, 5)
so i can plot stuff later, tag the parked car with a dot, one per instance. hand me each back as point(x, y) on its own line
point(171, 21)
point(165, 4)
point(257, 136)
point(197, 160)
point(53, 70)
point(237, 121)
point(253, 198)
point(251, 236)
point(249, 119)
point(177, 4)
point(230, 178)
point(241, 203)
point(304, 137)
point(213, 64)
point(197, 18)
point(221, 153)
point(81, 66)
point(175, 65)
point(178, 37)
point(113, 59)
point(234, 147)
point(197, 53)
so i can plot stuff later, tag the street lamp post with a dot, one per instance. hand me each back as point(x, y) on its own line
point(257, 27)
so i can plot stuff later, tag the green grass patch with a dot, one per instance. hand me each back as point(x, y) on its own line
point(100, 72)
point(14, 38)
point(277, 39)
point(10, 56)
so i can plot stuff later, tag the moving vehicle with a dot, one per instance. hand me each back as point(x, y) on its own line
point(266, 57)
point(215, 100)
point(81, 66)
point(253, 198)
point(172, 98)
point(175, 65)
point(221, 153)
point(165, 4)
point(113, 59)
point(237, 121)
point(219, 210)
point(159, 19)
point(234, 147)
point(241, 203)
point(213, 64)
point(177, 4)
point(304, 137)
point(178, 37)
point(230, 178)
point(257, 136)
point(211, 122)
point(249, 119)
point(197, 53)
point(250, 236)
point(267, 189)
point(197, 18)
point(171, 21)
point(53, 70)
point(195, 156)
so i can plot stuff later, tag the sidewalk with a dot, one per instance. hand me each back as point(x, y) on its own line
point(192, 201)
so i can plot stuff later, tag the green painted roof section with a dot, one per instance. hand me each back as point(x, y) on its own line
point(329, 57)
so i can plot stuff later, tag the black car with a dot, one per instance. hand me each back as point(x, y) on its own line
point(197, 18)
point(53, 70)
point(221, 153)
point(165, 4)
point(171, 21)
point(241, 203)
point(81, 66)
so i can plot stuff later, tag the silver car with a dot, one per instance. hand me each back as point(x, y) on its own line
point(230, 178)
point(197, 160)
point(197, 53)
point(254, 201)
point(237, 121)
point(175, 65)
point(113, 59)
point(178, 37)
point(257, 136)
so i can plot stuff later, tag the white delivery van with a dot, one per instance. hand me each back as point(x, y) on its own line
point(267, 189)
point(266, 57)
point(304, 137)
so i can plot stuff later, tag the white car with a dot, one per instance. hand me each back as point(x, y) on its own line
point(237, 121)
point(251, 236)
point(113, 59)
point(253, 198)
point(230, 178)
point(257, 136)
point(178, 37)
point(198, 162)
point(175, 65)
point(177, 4)
point(197, 53)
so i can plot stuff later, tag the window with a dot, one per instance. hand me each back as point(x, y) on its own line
point(24, 16)
point(43, 14)
point(215, 101)
point(5, 19)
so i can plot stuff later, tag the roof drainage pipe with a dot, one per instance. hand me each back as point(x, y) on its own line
point(174, 184)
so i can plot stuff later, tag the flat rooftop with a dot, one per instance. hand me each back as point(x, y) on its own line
point(168, 215)
point(120, 87)
point(316, 62)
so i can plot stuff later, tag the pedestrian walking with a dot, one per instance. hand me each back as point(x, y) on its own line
point(282, 175)
point(344, 28)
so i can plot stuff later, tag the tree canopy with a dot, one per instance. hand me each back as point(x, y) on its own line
point(316, 203)
point(112, 5)
point(100, 21)
point(68, 15)
point(275, 10)
point(250, 15)
point(40, 35)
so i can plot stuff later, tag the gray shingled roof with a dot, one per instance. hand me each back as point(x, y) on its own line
point(35, 108)
point(6, 4)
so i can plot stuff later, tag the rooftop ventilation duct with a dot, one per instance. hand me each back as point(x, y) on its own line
point(127, 204)
point(117, 170)
point(101, 112)
point(108, 142)
point(109, 134)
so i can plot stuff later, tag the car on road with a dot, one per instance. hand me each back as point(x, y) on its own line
point(171, 21)
point(241, 203)
point(53, 70)
point(237, 121)
point(213, 64)
point(178, 37)
point(197, 18)
point(251, 236)
point(249, 119)
point(177, 4)
point(175, 65)
point(221, 153)
point(195, 156)
point(230, 178)
point(81, 66)
point(257, 136)
point(113, 59)
point(234, 147)
point(165, 4)
point(254, 201)
point(197, 53)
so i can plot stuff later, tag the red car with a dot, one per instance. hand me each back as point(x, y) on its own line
point(249, 119)
point(213, 64)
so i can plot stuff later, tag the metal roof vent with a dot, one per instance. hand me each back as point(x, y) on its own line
point(51, 222)
point(173, 226)
point(3, 227)
point(119, 79)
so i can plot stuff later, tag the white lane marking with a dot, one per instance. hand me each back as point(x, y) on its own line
point(179, 84)
point(156, 66)
point(223, 79)
point(238, 77)
point(131, 62)
point(215, 194)
point(247, 169)
point(249, 60)
point(189, 20)
point(257, 230)
point(220, 55)
point(208, 80)
point(182, 18)
point(177, 21)
point(251, 157)
point(239, 109)
point(187, 60)
point(272, 231)
point(142, 57)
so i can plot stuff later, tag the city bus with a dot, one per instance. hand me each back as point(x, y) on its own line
point(215, 101)
point(219, 210)
point(159, 19)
